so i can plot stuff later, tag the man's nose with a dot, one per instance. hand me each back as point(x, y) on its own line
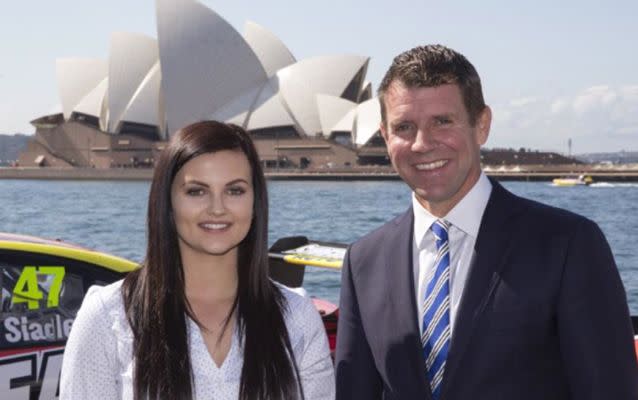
point(423, 141)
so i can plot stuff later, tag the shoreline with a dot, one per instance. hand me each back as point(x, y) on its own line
point(546, 173)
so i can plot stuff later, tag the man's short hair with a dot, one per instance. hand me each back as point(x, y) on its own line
point(435, 65)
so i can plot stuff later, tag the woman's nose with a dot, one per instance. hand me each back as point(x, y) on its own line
point(216, 205)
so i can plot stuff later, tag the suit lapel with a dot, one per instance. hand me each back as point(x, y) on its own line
point(403, 319)
point(491, 249)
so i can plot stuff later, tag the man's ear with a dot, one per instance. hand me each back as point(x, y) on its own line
point(483, 124)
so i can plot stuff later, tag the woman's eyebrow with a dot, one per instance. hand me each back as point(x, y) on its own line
point(194, 182)
point(238, 180)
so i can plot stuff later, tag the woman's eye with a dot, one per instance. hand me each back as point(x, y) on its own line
point(195, 191)
point(236, 191)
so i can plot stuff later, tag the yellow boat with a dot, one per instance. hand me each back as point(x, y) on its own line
point(573, 181)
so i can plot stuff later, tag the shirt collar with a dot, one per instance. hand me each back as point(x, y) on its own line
point(466, 215)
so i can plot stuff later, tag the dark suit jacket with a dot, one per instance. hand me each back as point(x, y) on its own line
point(543, 314)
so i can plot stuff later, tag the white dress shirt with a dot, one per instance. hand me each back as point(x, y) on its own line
point(98, 362)
point(465, 219)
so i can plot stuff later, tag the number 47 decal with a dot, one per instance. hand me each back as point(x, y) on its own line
point(27, 290)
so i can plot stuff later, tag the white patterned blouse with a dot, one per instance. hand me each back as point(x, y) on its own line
point(98, 361)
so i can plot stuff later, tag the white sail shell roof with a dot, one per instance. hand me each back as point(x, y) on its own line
point(131, 57)
point(346, 124)
point(258, 108)
point(236, 111)
point(91, 104)
point(144, 106)
point(272, 52)
point(366, 92)
point(205, 61)
point(301, 82)
point(270, 110)
point(331, 110)
point(368, 121)
point(201, 67)
point(76, 77)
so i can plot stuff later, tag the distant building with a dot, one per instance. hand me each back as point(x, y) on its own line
point(10, 147)
point(522, 156)
point(313, 113)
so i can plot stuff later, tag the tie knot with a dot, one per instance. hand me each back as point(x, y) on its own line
point(440, 228)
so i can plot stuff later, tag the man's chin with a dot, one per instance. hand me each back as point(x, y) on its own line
point(432, 195)
point(434, 201)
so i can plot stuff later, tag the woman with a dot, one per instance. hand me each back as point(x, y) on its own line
point(200, 319)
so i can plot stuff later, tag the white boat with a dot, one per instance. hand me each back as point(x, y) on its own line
point(573, 181)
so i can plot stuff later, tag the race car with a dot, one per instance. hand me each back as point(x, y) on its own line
point(43, 283)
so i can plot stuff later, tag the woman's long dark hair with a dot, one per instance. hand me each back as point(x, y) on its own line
point(155, 299)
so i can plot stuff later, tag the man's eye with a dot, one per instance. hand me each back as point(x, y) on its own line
point(403, 127)
point(236, 191)
point(443, 121)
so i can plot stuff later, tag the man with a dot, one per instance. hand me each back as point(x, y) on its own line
point(474, 293)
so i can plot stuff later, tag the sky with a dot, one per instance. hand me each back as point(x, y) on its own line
point(551, 71)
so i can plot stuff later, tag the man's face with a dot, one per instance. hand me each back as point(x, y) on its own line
point(432, 144)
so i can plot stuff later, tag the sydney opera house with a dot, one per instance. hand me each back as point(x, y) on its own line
point(313, 113)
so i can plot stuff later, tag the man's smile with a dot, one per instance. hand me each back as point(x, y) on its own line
point(431, 166)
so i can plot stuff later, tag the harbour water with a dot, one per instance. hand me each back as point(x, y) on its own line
point(110, 215)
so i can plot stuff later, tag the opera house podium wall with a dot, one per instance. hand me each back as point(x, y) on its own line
point(75, 144)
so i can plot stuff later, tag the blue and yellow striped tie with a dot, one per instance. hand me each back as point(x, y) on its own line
point(436, 311)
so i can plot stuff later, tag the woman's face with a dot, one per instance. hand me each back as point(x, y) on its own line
point(212, 199)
